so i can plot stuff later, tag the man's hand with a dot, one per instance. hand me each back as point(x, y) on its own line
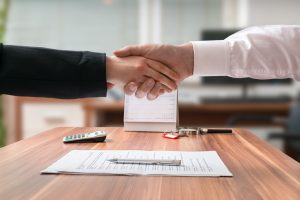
point(120, 71)
point(141, 90)
point(178, 58)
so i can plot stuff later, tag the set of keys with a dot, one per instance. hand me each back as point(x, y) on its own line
point(193, 131)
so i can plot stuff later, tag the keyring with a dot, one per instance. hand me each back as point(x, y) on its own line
point(187, 131)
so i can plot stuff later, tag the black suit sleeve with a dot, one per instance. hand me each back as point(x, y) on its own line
point(41, 72)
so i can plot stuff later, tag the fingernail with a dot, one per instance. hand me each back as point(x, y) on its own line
point(151, 97)
point(133, 87)
point(140, 94)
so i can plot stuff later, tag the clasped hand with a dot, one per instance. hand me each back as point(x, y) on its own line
point(150, 70)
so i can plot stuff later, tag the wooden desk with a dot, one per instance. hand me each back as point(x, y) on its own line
point(260, 171)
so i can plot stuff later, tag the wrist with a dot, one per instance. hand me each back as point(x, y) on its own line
point(188, 57)
point(110, 69)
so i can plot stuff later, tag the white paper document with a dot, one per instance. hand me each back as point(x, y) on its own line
point(193, 163)
point(157, 115)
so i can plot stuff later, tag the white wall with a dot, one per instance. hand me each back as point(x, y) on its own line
point(93, 25)
point(261, 12)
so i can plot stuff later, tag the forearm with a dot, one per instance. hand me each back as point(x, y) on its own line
point(41, 72)
point(260, 52)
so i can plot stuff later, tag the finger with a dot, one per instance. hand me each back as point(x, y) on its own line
point(145, 88)
point(130, 88)
point(132, 50)
point(154, 93)
point(165, 70)
point(165, 89)
point(157, 76)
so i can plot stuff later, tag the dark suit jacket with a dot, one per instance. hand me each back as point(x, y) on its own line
point(41, 72)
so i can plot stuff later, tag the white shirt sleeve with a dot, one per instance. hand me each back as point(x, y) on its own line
point(264, 52)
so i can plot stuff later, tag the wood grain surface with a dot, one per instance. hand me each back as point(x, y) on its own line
point(260, 171)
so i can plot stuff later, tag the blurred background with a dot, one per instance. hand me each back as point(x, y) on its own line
point(268, 108)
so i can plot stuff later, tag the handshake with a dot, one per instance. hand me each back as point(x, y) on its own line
point(150, 70)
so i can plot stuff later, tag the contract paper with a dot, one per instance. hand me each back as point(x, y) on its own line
point(193, 163)
point(157, 115)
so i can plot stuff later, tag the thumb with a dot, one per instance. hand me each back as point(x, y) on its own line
point(133, 50)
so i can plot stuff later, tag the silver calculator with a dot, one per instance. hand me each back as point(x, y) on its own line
point(97, 136)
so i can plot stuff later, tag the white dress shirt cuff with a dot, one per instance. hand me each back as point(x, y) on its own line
point(211, 58)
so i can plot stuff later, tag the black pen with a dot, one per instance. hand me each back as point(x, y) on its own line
point(204, 131)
